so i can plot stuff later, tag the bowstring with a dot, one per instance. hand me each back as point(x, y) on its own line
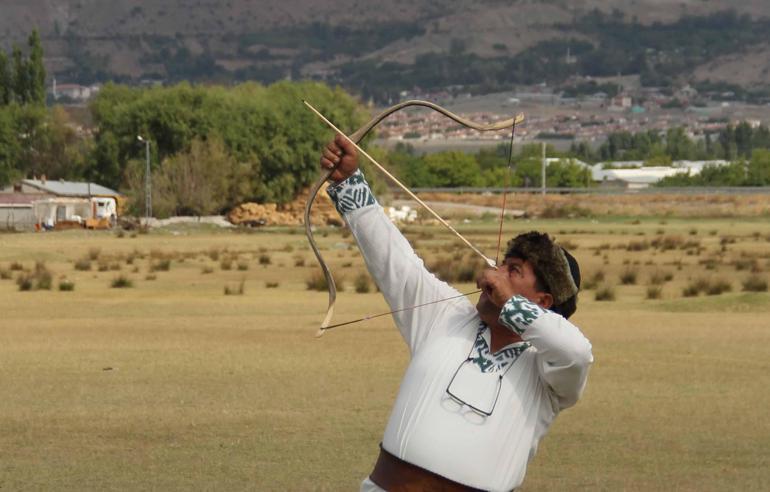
point(505, 193)
point(372, 316)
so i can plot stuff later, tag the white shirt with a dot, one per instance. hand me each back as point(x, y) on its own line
point(427, 427)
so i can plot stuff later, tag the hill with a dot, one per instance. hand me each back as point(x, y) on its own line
point(377, 47)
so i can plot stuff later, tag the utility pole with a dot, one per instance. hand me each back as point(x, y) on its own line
point(147, 182)
point(545, 162)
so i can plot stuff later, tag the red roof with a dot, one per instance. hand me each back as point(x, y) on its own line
point(18, 198)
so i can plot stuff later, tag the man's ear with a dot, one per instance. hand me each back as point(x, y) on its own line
point(545, 300)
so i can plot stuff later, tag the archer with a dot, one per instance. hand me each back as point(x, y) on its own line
point(484, 382)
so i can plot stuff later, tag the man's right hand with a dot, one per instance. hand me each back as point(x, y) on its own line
point(342, 155)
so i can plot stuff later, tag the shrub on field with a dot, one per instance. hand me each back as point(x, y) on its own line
point(565, 211)
point(5, 274)
point(693, 232)
point(299, 261)
point(747, 264)
point(121, 282)
point(93, 253)
point(151, 277)
point(451, 270)
point(568, 245)
point(317, 281)
point(654, 292)
point(361, 283)
point(628, 276)
point(725, 240)
point(236, 291)
point(695, 287)
point(690, 244)
point(605, 293)
point(16, 266)
point(718, 286)
point(206, 270)
point(163, 265)
point(642, 245)
point(272, 285)
point(214, 254)
point(592, 281)
point(264, 259)
point(66, 285)
point(243, 265)
point(709, 263)
point(755, 283)
point(658, 277)
point(115, 266)
point(226, 264)
point(38, 279)
point(25, 282)
point(667, 243)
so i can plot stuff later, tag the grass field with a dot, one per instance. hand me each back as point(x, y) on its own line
point(170, 384)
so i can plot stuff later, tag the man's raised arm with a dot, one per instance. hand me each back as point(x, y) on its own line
point(399, 273)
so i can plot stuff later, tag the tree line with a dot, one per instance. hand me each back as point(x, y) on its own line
point(22, 77)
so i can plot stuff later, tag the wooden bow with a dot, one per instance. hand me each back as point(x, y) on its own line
point(356, 138)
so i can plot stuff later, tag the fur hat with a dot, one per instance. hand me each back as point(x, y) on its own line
point(550, 261)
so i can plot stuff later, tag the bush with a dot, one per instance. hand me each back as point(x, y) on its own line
point(66, 285)
point(317, 281)
point(592, 281)
point(638, 246)
point(461, 270)
point(235, 291)
point(226, 264)
point(93, 253)
point(628, 277)
point(151, 277)
point(361, 283)
point(16, 266)
point(718, 287)
point(695, 287)
point(25, 282)
point(755, 283)
point(272, 285)
point(5, 274)
point(299, 261)
point(214, 254)
point(264, 259)
point(206, 270)
point(658, 277)
point(605, 293)
point(243, 266)
point(121, 282)
point(654, 292)
point(161, 266)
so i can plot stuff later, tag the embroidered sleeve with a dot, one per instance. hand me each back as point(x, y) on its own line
point(518, 313)
point(351, 194)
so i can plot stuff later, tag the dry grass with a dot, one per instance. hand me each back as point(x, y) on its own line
point(172, 386)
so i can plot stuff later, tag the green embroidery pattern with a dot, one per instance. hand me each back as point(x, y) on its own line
point(351, 194)
point(519, 312)
point(489, 362)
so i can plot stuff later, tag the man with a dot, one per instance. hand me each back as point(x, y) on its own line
point(484, 383)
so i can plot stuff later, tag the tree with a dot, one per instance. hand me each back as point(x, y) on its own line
point(6, 81)
point(452, 169)
point(198, 181)
point(758, 172)
point(20, 77)
point(36, 70)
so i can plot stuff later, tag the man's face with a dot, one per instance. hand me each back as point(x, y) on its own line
point(518, 278)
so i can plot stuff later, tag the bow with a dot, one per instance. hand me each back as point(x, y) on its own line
point(356, 137)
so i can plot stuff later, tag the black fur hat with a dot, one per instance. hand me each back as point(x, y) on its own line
point(553, 265)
